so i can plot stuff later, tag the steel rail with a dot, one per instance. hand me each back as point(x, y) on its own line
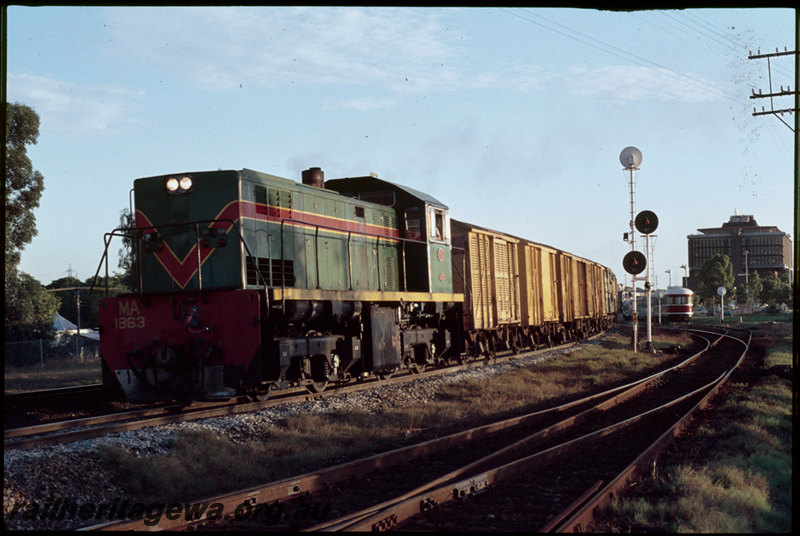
point(582, 517)
point(393, 512)
point(48, 393)
point(316, 481)
point(31, 436)
point(89, 427)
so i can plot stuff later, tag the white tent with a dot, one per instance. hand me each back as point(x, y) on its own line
point(65, 327)
point(62, 324)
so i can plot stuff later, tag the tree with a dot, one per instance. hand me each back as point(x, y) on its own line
point(23, 184)
point(748, 292)
point(741, 295)
point(776, 291)
point(754, 286)
point(127, 258)
point(769, 284)
point(783, 293)
point(30, 309)
point(69, 303)
point(716, 272)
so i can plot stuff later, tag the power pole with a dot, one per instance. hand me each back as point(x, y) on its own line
point(772, 94)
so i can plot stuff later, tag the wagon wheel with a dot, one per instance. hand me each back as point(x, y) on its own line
point(319, 374)
point(412, 366)
point(386, 374)
point(261, 393)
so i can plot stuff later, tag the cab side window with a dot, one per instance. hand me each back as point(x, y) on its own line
point(438, 224)
point(412, 223)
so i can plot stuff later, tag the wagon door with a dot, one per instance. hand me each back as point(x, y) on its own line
point(480, 277)
point(506, 281)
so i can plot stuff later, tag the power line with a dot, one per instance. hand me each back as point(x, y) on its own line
point(736, 45)
point(625, 55)
point(703, 33)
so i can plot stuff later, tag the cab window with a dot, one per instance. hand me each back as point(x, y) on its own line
point(438, 224)
point(413, 224)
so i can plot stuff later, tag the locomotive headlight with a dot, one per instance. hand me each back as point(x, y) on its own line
point(178, 186)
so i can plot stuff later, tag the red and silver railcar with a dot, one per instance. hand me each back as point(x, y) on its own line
point(676, 305)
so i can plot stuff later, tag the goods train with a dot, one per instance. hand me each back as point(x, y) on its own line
point(249, 282)
point(677, 305)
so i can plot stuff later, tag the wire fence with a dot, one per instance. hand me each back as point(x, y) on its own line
point(44, 351)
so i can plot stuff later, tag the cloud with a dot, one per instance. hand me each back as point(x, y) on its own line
point(629, 83)
point(70, 107)
point(220, 48)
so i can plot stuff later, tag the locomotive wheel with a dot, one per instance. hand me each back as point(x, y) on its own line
point(319, 375)
point(261, 394)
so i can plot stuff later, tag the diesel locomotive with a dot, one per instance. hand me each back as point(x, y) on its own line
point(249, 282)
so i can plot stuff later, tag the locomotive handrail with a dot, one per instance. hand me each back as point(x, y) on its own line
point(130, 230)
point(107, 240)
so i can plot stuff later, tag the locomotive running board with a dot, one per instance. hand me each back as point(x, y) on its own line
point(277, 294)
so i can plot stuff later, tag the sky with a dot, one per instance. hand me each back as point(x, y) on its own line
point(513, 117)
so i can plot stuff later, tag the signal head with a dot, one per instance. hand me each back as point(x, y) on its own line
point(646, 222)
point(634, 262)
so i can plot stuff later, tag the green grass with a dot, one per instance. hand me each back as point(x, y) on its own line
point(304, 442)
point(757, 318)
point(56, 373)
point(734, 473)
point(739, 478)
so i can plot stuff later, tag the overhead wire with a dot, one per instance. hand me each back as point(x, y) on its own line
point(623, 54)
point(736, 45)
point(694, 29)
point(774, 66)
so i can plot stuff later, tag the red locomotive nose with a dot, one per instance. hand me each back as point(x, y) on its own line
point(167, 347)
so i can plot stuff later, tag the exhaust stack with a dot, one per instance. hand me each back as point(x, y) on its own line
point(314, 177)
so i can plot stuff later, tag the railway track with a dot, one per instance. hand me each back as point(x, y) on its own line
point(50, 405)
point(60, 393)
point(440, 484)
point(76, 429)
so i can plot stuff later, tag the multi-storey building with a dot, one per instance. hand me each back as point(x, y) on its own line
point(751, 248)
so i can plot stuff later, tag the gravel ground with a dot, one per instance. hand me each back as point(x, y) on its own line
point(49, 487)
